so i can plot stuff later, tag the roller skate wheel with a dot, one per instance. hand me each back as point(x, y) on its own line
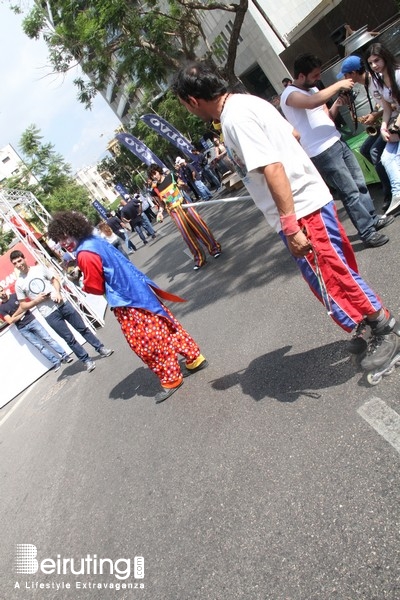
point(374, 379)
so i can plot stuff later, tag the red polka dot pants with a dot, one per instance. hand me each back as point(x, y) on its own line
point(157, 341)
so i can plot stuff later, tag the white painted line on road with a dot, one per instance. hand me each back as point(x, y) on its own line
point(383, 419)
point(10, 412)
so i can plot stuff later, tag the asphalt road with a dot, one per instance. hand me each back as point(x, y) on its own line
point(271, 475)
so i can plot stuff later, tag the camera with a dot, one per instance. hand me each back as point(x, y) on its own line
point(350, 94)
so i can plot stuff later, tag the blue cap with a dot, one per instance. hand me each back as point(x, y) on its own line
point(351, 63)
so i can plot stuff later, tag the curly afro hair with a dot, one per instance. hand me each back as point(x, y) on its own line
point(69, 223)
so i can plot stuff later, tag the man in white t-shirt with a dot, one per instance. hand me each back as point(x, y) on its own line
point(304, 107)
point(288, 190)
point(38, 286)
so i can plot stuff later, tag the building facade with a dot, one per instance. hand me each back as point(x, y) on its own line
point(98, 186)
point(12, 165)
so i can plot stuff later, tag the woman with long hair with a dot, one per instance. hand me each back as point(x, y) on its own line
point(107, 233)
point(385, 72)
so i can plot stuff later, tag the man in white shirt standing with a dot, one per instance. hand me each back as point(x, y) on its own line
point(38, 286)
point(290, 193)
point(304, 107)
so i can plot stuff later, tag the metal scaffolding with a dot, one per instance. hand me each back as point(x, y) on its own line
point(17, 208)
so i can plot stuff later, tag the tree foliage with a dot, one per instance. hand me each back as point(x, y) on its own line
point(71, 196)
point(121, 168)
point(127, 40)
point(6, 238)
point(125, 168)
point(55, 187)
point(42, 161)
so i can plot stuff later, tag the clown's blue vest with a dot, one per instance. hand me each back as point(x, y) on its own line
point(125, 285)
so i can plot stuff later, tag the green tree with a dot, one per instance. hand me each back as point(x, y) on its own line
point(130, 41)
point(55, 187)
point(5, 240)
point(42, 162)
point(121, 168)
point(72, 196)
point(125, 168)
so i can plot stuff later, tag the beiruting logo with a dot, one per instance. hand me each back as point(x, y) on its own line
point(26, 562)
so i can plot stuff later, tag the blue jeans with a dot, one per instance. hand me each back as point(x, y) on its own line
point(127, 241)
point(139, 231)
point(57, 320)
point(37, 335)
point(147, 225)
point(372, 150)
point(212, 178)
point(203, 190)
point(391, 161)
point(340, 170)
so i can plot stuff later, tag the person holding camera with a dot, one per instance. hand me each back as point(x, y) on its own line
point(304, 107)
point(353, 68)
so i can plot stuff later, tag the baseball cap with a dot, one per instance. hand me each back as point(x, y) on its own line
point(351, 63)
point(179, 160)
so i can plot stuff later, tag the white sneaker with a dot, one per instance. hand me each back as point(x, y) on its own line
point(90, 365)
point(395, 203)
point(104, 352)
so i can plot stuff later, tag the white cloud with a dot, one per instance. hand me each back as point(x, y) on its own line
point(31, 94)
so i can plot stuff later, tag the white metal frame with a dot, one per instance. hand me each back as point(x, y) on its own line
point(13, 201)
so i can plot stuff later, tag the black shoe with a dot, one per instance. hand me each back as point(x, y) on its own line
point(381, 349)
point(376, 240)
point(383, 221)
point(187, 372)
point(166, 393)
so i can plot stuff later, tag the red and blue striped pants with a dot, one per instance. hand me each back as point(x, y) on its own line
point(331, 269)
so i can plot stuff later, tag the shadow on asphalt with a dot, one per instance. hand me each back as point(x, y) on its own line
point(286, 378)
point(142, 383)
point(246, 242)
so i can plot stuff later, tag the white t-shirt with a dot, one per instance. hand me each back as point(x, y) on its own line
point(387, 93)
point(25, 287)
point(256, 135)
point(111, 239)
point(316, 128)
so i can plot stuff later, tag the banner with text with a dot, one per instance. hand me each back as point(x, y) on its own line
point(122, 191)
point(100, 208)
point(170, 133)
point(139, 149)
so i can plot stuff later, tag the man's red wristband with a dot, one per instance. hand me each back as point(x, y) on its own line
point(289, 224)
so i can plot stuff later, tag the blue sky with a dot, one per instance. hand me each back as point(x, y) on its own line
point(31, 95)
